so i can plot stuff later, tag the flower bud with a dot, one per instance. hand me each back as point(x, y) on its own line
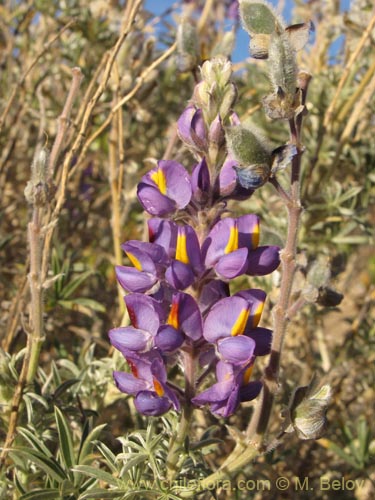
point(228, 100)
point(217, 70)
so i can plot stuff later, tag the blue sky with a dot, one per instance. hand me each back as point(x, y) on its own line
point(241, 50)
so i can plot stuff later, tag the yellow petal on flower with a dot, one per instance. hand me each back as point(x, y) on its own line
point(257, 314)
point(239, 326)
point(181, 251)
point(232, 244)
point(255, 236)
point(134, 261)
point(159, 178)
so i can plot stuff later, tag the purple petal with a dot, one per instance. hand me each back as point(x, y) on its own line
point(127, 337)
point(224, 317)
point(233, 264)
point(192, 248)
point(178, 182)
point(190, 319)
point(142, 313)
point(250, 391)
point(216, 393)
point(211, 293)
point(248, 231)
point(142, 250)
point(126, 382)
point(179, 275)
point(237, 350)
point(227, 178)
point(153, 201)
point(198, 130)
point(216, 132)
point(168, 339)
point(133, 280)
point(256, 299)
point(200, 181)
point(163, 233)
point(184, 125)
point(216, 243)
point(263, 340)
point(150, 404)
point(263, 260)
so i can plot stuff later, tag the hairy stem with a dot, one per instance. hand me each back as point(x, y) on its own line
point(179, 436)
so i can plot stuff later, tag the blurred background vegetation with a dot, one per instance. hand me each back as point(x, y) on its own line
point(122, 121)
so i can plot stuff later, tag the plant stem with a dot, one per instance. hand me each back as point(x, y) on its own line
point(179, 436)
point(36, 238)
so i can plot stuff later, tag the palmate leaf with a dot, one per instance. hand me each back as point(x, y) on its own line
point(65, 441)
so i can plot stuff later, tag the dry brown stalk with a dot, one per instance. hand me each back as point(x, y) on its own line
point(80, 138)
point(21, 81)
point(353, 58)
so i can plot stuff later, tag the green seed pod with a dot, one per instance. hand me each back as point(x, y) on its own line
point(258, 16)
point(247, 146)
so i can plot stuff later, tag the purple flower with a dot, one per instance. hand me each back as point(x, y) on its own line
point(165, 188)
point(192, 130)
point(227, 246)
point(234, 315)
point(146, 330)
point(149, 261)
point(148, 383)
point(182, 246)
point(264, 260)
point(232, 388)
point(200, 182)
point(228, 185)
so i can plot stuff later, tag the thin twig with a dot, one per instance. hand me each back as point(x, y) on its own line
point(345, 74)
point(63, 121)
point(21, 81)
point(82, 133)
point(126, 98)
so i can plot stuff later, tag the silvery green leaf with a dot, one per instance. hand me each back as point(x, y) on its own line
point(258, 16)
